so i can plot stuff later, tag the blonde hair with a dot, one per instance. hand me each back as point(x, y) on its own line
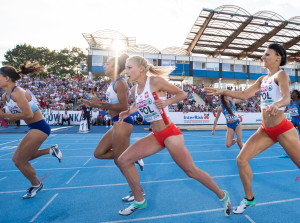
point(149, 68)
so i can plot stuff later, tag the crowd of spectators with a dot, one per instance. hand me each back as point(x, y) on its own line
point(63, 94)
point(210, 103)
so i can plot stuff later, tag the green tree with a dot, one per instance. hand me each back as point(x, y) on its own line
point(61, 63)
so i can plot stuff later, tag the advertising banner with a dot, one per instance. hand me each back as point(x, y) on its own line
point(179, 118)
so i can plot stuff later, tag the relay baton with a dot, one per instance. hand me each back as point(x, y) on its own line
point(162, 111)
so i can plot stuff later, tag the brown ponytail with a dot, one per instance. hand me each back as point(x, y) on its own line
point(28, 68)
point(25, 68)
point(225, 104)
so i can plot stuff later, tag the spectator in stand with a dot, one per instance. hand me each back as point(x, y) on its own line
point(65, 118)
point(99, 120)
point(87, 115)
point(107, 119)
point(139, 120)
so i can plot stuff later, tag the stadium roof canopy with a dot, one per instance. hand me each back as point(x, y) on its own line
point(111, 40)
point(231, 31)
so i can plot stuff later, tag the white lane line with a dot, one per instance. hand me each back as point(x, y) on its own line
point(198, 212)
point(250, 219)
point(72, 177)
point(6, 154)
point(87, 161)
point(10, 142)
point(60, 128)
point(3, 178)
point(8, 147)
point(143, 182)
point(149, 164)
point(34, 162)
point(32, 220)
point(167, 216)
point(51, 157)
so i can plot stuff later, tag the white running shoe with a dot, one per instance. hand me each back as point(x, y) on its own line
point(141, 164)
point(32, 191)
point(243, 205)
point(132, 207)
point(226, 204)
point(130, 196)
point(56, 152)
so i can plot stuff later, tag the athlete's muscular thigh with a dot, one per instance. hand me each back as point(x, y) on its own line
point(29, 145)
point(121, 137)
point(256, 144)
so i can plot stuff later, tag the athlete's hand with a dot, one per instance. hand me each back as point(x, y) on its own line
point(272, 109)
point(213, 132)
point(160, 104)
point(84, 101)
point(124, 114)
point(1, 114)
point(95, 102)
point(213, 91)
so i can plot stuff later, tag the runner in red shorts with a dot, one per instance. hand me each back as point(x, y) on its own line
point(165, 134)
point(275, 95)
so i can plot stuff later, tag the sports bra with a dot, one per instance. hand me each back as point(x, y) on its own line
point(144, 103)
point(13, 106)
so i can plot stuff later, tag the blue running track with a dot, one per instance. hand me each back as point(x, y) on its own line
point(84, 189)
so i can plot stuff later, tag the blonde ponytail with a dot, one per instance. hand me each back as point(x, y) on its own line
point(150, 69)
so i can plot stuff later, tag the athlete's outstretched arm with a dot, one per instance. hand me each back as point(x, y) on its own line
point(216, 119)
point(161, 86)
point(236, 94)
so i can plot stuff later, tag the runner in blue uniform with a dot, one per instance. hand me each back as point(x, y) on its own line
point(233, 122)
point(22, 104)
point(117, 139)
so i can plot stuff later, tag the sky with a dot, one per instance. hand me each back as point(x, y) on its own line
point(57, 24)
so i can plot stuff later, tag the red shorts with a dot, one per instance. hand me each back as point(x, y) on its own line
point(171, 130)
point(277, 130)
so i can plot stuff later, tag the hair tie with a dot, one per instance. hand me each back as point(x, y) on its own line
point(6, 75)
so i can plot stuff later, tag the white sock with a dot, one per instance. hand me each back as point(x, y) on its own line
point(223, 199)
point(38, 185)
point(50, 151)
point(140, 202)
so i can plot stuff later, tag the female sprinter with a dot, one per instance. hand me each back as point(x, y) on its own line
point(275, 95)
point(116, 139)
point(21, 105)
point(233, 122)
point(294, 108)
point(169, 136)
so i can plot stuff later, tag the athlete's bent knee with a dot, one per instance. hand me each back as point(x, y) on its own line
point(98, 155)
point(241, 161)
point(191, 173)
point(122, 162)
point(18, 163)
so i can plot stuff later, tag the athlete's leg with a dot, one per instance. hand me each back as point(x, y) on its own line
point(289, 140)
point(229, 137)
point(142, 148)
point(26, 150)
point(120, 139)
point(256, 144)
point(104, 148)
point(298, 127)
point(180, 154)
point(239, 135)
